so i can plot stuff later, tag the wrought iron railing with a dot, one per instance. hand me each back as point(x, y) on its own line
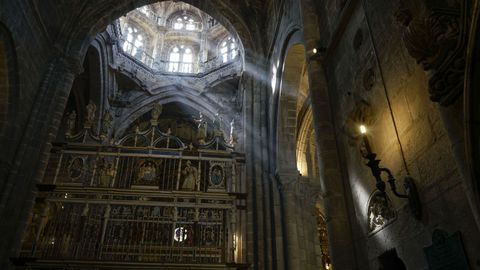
point(147, 198)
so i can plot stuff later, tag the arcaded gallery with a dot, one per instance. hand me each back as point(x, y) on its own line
point(240, 134)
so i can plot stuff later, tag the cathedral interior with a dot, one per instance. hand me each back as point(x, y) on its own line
point(240, 134)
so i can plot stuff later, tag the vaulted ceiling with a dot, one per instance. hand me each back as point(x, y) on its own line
point(72, 24)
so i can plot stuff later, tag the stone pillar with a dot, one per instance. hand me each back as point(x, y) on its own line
point(332, 181)
point(32, 155)
point(289, 189)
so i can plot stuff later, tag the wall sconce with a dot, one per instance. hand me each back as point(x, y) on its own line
point(317, 53)
point(410, 188)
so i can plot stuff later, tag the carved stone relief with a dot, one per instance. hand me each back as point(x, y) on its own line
point(437, 40)
point(380, 212)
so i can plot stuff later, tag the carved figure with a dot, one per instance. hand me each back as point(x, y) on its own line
point(209, 236)
point(71, 119)
point(190, 177)
point(217, 124)
point(91, 109)
point(232, 139)
point(106, 175)
point(202, 128)
point(156, 111)
point(380, 212)
point(106, 122)
point(147, 171)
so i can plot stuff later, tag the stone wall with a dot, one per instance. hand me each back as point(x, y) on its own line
point(370, 73)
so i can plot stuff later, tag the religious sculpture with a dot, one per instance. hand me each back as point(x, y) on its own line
point(232, 140)
point(71, 119)
point(147, 172)
point(106, 123)
point(380, 212)
point(190, 177)
point(91, 108)
point(107, 172)
point(218, 125)
point(202, 128)
point(155, 113)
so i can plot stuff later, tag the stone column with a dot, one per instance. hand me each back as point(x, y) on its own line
point(332, 181)
point(289, 185)
point(31, 157)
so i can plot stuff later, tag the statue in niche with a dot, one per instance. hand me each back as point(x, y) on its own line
point(107, 173)
point(147, 172)
point(232, 139)
point(202, 128)
point(380, 211)
point(190, 177)
point(155, 113)
point(209, 236)
point(90, 117)
point(71, 119)
point(106, 122)
point(218, 125)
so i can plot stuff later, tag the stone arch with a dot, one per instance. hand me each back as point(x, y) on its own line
point(287, 105)
point(306, 148)
point(170, 94)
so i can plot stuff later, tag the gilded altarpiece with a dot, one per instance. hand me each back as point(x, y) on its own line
point(146, 199)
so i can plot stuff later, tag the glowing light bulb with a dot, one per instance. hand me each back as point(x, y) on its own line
point(363, 129)
point(314, 50)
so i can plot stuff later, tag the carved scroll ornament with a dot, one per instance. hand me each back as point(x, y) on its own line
point(437, 40)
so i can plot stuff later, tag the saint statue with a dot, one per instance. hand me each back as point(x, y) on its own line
point(72, 117)
point(202, 128)
point(190, 177)
point(106, 175)
point(90, 117)
point(232, 139)
point(147, 172)
point(106, 122)
point(155, 113)
point(218, 125)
